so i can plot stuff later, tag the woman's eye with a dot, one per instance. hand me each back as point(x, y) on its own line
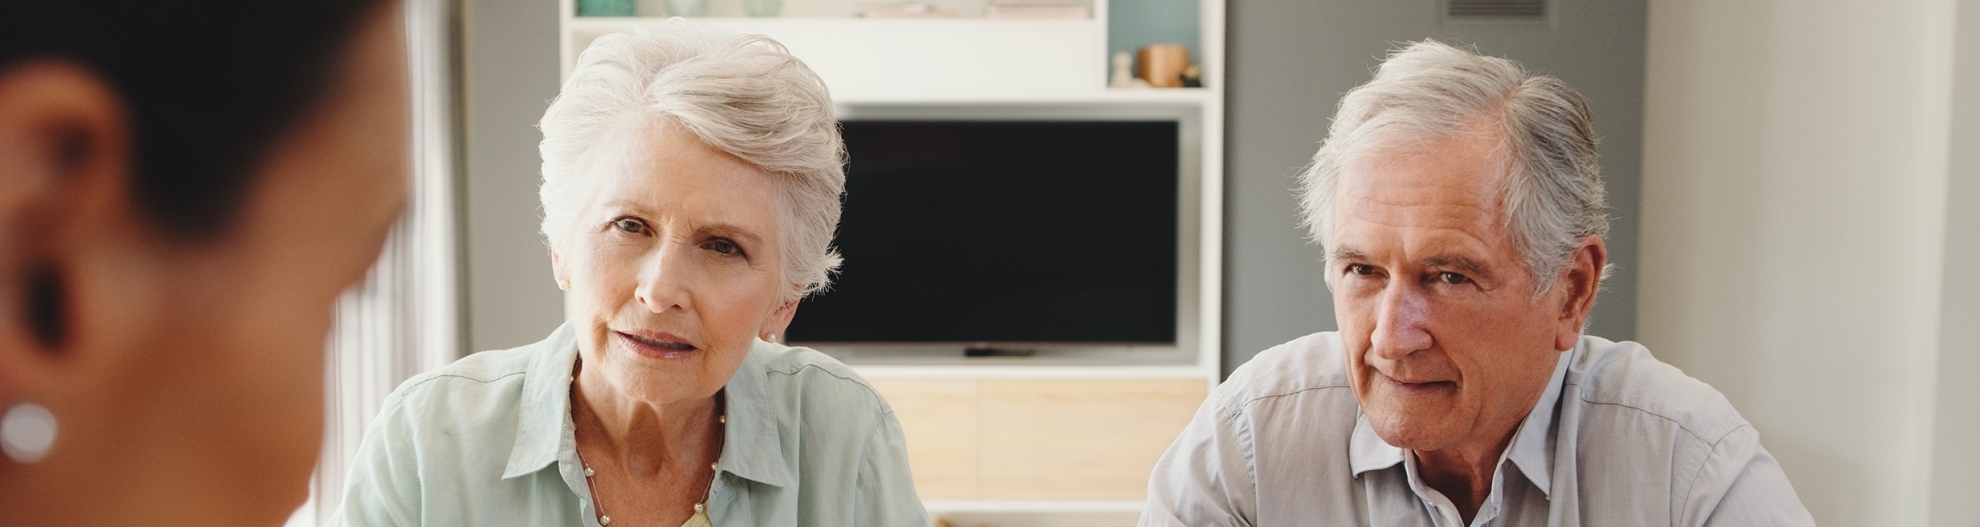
point(629, 225)
point(1452, 278)
point(724, 246)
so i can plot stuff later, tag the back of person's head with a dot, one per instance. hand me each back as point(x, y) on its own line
point(185, 188)
point(208, 85)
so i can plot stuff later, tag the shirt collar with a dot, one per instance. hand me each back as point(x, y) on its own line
point(1532, 448)
point(543, 422)
point(752, 449)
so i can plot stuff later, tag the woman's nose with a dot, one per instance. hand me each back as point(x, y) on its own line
point(664, 278)
point(1401, 323)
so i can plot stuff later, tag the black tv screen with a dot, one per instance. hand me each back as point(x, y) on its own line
point(1004, 232)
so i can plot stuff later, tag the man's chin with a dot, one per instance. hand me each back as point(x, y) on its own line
point(1413, 432)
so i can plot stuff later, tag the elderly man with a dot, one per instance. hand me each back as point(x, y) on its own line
point(1460, 204)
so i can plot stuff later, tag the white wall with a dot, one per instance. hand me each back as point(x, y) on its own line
point(1795, 234)
point(1956, 441)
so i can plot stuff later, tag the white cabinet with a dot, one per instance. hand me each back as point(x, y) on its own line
point(879, 60)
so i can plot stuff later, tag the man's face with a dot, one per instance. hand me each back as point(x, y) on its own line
point(1446, 344)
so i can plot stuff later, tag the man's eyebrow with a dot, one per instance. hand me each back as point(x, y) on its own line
point(1346, 254)
point(1461, 262)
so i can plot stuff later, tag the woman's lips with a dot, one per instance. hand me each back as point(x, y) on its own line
point(657, 345)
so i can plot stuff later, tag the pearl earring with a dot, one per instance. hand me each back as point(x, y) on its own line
point(27, 432)
point(770, 338)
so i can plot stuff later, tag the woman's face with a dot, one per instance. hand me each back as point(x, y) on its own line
point(191, 376)
point(254, 308)
point(674, 267)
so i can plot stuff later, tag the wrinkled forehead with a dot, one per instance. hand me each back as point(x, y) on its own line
point(1448, 183)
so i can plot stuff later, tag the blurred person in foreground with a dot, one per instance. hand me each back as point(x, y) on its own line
point(1460, 204)
point(185, 189)
point(691, 184)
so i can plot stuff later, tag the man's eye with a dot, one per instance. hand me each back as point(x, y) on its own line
point(1361, 269)
point(1452, 278)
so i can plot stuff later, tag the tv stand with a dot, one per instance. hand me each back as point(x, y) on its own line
point(987, 351)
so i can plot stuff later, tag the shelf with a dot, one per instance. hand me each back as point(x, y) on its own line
point(610, 24)
point(953, 506)
point(952, 370)
point(1177, 97)
point(943, 59)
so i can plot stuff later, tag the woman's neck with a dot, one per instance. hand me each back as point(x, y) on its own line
point(644, 439)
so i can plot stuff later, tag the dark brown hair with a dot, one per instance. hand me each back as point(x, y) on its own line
point(210, 86)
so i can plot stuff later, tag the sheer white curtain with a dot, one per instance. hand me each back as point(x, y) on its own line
point(404, 318)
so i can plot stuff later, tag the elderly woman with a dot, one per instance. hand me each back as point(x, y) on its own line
point(691, 184)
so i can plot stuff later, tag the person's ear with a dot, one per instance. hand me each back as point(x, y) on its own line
point(557, 270)
point(780, 319)
point(65, 155)
point(1581, 280)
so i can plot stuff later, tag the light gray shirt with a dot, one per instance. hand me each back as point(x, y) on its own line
point(488, 440)
point(1617, 438)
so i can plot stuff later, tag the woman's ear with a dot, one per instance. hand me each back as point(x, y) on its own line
point(780, 319)
point(64, 160)
point(557, 270)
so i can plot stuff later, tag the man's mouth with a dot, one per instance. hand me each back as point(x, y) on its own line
point(1418, 386)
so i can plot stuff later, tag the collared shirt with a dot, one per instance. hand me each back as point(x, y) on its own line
point(489, 440)
point(1617, 438)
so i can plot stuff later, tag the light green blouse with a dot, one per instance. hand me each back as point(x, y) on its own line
point(488, 441)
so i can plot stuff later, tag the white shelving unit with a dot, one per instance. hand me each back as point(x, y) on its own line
point(965, 67)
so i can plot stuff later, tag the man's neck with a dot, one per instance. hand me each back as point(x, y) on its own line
point(1464, 474)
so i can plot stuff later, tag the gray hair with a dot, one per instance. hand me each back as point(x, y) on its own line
point(1553, 194)
point(744, 95)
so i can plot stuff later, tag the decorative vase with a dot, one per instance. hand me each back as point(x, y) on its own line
point(687, 7)
point(605, 8)
point(763, 8)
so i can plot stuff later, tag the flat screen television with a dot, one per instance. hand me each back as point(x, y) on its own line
point(1004, 234)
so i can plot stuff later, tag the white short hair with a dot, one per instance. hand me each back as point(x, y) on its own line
point(744, 95)
point(1553, 196)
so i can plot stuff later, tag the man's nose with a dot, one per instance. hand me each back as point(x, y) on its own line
point(1401, 326)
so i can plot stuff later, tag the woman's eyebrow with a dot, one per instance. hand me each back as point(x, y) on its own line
point(627, 205)
point(730, 231)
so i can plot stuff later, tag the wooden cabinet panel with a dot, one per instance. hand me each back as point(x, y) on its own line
point(939, 418)
point(1079, 438)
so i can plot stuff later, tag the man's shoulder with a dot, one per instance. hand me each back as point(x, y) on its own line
point(1307, 367)
point(1625, 380)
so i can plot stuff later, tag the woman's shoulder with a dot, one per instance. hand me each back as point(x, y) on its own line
point(480, 386)
point(485, 370)
point(818, 381)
